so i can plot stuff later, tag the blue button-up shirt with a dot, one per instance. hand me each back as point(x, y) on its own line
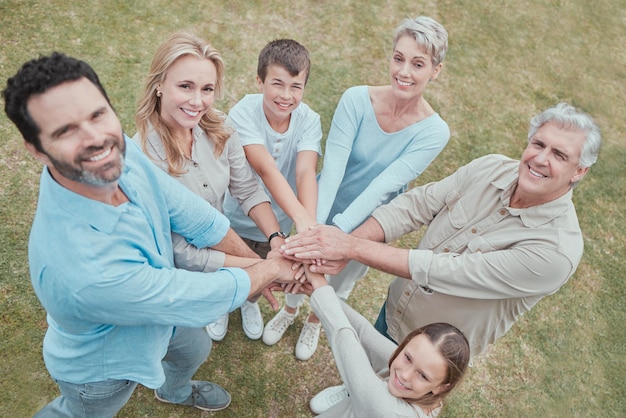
point(106, 275)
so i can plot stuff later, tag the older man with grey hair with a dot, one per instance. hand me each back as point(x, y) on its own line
point(502, 234)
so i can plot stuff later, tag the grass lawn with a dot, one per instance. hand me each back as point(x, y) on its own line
point(507, 61)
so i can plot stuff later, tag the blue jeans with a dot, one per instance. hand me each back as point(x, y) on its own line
point(381, 323)
point(188, 349)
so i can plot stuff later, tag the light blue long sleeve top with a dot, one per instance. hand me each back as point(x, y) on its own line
point(364, 166)
point(106, 275)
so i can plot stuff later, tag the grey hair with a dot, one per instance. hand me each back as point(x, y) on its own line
point(428, 33)
point(568, 117)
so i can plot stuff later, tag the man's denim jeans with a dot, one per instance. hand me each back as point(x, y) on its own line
point(188, 349)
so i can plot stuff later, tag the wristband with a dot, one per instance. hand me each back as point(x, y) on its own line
point(276, 234)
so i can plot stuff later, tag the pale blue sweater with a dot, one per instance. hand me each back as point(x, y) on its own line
point(364, 166)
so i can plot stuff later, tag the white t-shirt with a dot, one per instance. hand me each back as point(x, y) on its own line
point(304, 134)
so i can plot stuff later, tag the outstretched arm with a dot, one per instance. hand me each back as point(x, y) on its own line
point(276, 270)
point(263, 216)
point(353, 356)
point(364, 245)
point(189, 257)
point(232, 244)
point(263, 163)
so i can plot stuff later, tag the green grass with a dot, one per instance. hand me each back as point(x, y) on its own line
point(507, 61)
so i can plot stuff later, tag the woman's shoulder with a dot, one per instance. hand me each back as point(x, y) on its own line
point(357, 92)
point(356, 100)
point(153, 145)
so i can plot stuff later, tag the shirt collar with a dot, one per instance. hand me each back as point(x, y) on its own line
point(156, 143)
point(533, 216)
point(100, 216)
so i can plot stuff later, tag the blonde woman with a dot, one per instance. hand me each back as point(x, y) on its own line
point(181, 131)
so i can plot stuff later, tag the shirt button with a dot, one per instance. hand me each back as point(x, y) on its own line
point(407, 293)
point(205, 185)
point(502, 212)
point(474, 230)
point(446, 250)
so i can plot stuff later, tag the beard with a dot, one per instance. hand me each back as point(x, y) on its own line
point(104, 175)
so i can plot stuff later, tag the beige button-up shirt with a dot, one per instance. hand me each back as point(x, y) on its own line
point(209, 177)
point(481, 264)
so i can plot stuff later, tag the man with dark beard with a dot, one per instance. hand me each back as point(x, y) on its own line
point(101, 261)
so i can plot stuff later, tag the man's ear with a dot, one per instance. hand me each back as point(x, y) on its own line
point(580, 173)
point(39, 156)
point(259, 82)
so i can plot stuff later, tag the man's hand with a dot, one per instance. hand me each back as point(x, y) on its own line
point(263, 273)
point(269, 296)
point(287, 271)
point(329, 267)
point(297, 265)
point(321, 242)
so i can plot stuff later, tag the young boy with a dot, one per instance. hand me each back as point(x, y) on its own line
point(281, 138)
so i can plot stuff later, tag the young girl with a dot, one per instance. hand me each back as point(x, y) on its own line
point(178, 128)
point(380, 378)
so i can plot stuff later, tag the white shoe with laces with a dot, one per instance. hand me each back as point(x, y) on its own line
point(328, 398)
point(277, 326)
point(307, 343)
point(217, 329)
point(251, 320)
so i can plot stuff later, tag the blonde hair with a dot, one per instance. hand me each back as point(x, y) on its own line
point(179, 44)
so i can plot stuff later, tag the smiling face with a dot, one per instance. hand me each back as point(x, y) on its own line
point(187, 93)
point(549, 165)
point(282, 94)
point(418, 370)
point(81, 136)
point(411, 68)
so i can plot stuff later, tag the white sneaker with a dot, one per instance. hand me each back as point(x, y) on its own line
point(307, 343)
point(277, 326)
point(328, 397)
point(251, 320)
point(217, 330)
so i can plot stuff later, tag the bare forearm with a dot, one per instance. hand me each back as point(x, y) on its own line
point(330, 243)
point(235, 261)
point(381, 256)
point(306, 186)
point(233, 244)
point(264, 218)
point(293, 206)
point(336, 247)
point(370, 230)
point(368, 248)
point(261, 274)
